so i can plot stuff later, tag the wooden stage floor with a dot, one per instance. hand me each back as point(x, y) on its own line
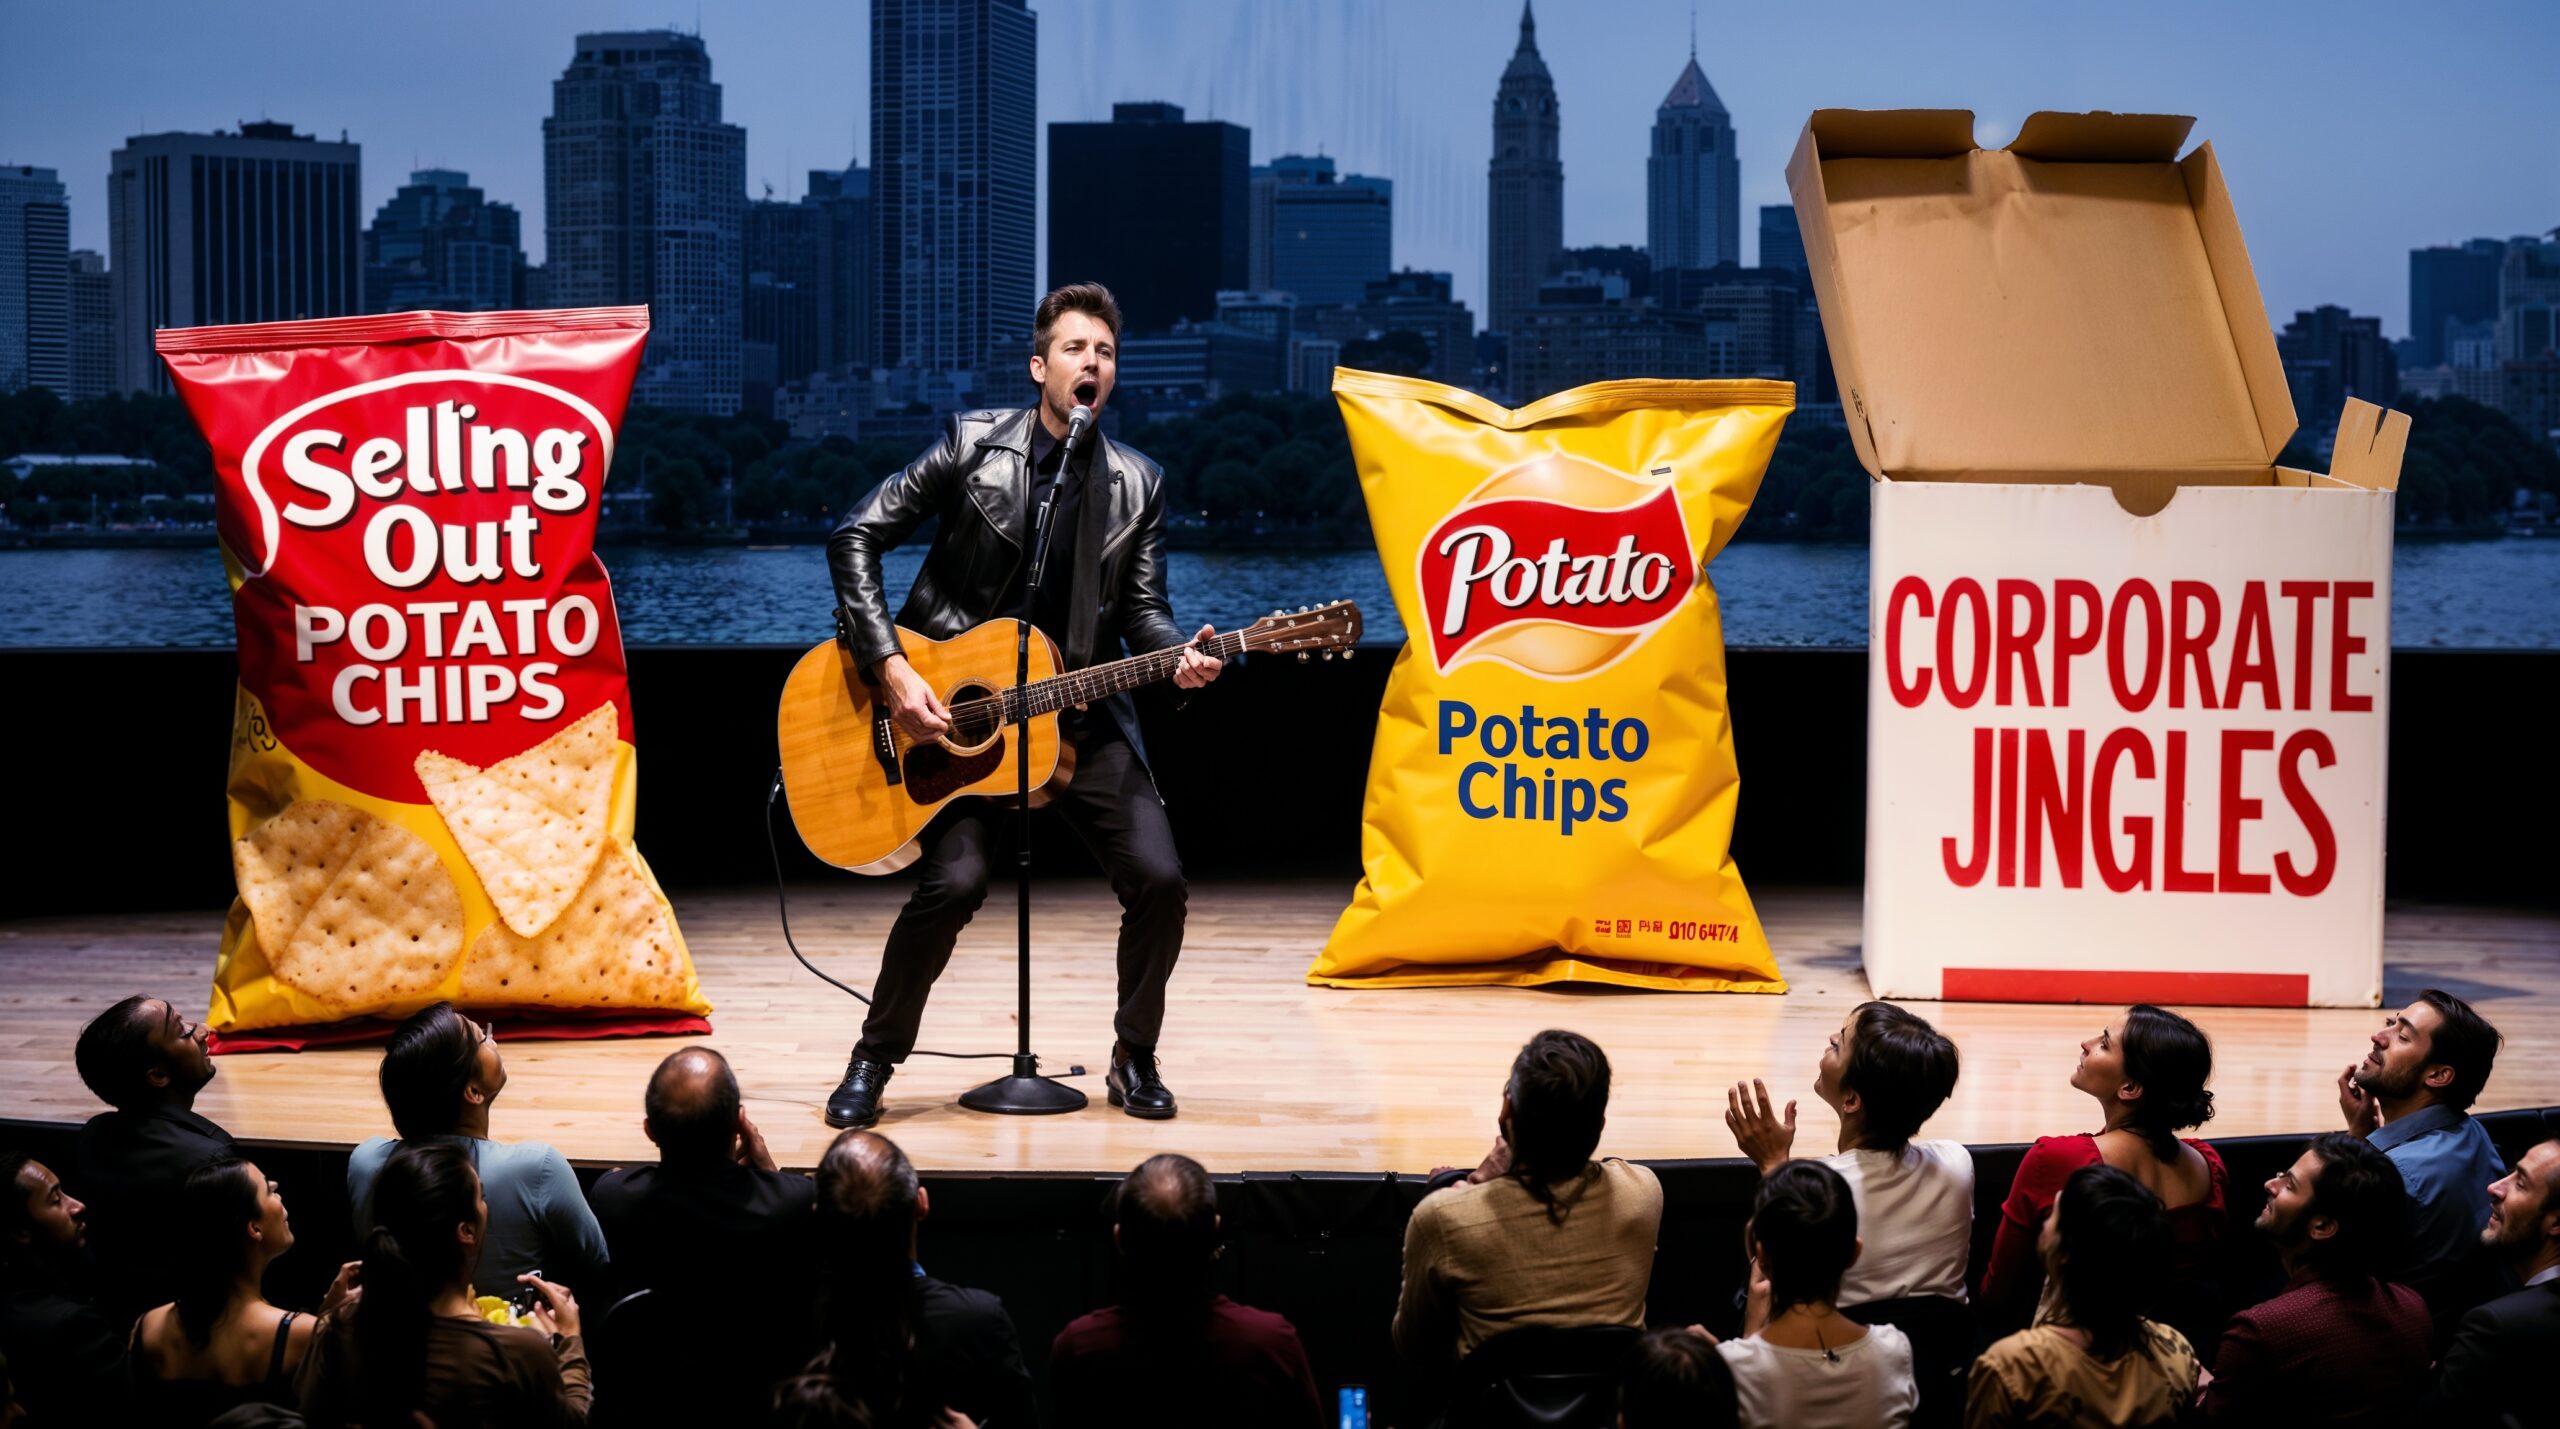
point(1273, 1075)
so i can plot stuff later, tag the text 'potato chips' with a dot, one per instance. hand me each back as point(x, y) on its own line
point(1551, 794)
point(432, 771)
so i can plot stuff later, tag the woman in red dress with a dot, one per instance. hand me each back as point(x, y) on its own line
point(2147, 1071)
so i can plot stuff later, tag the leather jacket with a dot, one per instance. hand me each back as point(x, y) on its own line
point(978, 480)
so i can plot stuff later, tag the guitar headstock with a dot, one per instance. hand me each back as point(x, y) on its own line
point(1310, 628)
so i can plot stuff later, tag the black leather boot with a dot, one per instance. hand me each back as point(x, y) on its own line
point(857, 1098)
point(1134, 1087)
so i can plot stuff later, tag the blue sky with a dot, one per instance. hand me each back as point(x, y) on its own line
point(2350, 132)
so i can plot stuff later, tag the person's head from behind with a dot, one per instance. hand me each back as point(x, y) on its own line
point(41, 1224)
point(870, 1203)
point(2148, 1067)
point(429, 1224)
point(1803, 1234)
point(1673, 1379)
point(1164, 1222)
point(440, 1072)
point(2434, 1050)
point(1075, 348)
point(2105, 1243)
point(2524, 1217)
point(1554, 1106)
point(1887, 1069)
point(692, 1107)
point(231, 1224)
point(2340, 1210)
point(141, 1053)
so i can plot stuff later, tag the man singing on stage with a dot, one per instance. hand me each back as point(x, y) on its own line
point(1103, 585)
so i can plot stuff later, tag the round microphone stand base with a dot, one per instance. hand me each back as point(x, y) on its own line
point(1025, 1093)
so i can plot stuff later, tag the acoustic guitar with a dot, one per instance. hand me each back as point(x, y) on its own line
point(861, 789)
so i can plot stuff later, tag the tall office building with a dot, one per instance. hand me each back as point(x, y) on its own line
point(93, 329)
point(35, 297)
point(1525, 226)
point(953, 174)
point(1327, 236)
point(2330, 355)
point(787, 253)
point(2450, 285)
point(261, 225)
point(1693, 182)
point(2529, 299)
point(438, 243)
point(1781, 242)
point(644, 198)
point(1152, 207)
point(846, 315)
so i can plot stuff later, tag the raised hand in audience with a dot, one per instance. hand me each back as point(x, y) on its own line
point(558, 1312)
point(2363, 1114)
point(750, 1151)
point(346, 1291)
point(1768, 1141)
point(1495, 1165)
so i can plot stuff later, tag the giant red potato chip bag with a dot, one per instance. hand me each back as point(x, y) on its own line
point(1551, 794)
point(432, 772)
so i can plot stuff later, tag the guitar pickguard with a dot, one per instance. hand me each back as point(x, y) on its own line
point(934, 773)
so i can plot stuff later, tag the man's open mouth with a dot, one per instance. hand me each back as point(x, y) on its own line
point(1084, 393)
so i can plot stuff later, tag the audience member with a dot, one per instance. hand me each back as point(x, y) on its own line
point(441, 1073)
point(1676, 1379)
point(1539, 1233)
point(417, 1342)
point(2340, 1344)
point(2412, 1096)
point(66, 1357)
point(1884, 1073)
point(714, 1184)
point(903, 1349)
point(2499, 1367)
point(2146, 1070)
point(148, 1063)
point(2094, 1361)
point(220, 1345)
point(1800, 1362)
point(1174, 1350)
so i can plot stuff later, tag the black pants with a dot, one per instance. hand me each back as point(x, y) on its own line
point(1111, 803)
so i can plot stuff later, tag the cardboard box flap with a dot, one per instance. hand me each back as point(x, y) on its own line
point(2060, 318)
point(2102, 138)
point(2371, 442)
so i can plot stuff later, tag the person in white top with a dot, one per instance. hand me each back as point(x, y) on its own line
point(1885, 1072)
point(1800, 1363)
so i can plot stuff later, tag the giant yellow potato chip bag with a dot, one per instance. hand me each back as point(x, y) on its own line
point(1551, 793)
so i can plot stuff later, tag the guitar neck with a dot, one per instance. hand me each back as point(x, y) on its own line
point(1100, 682)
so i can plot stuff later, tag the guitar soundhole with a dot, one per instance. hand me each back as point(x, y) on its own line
point(934, 772)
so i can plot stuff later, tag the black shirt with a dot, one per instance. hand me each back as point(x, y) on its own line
point(130, 1166)
point(1057, 578)
point(725, 1230)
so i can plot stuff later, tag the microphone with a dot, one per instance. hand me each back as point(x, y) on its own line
point(1077, 421)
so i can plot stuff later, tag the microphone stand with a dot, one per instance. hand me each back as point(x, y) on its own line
point(1025, 1092)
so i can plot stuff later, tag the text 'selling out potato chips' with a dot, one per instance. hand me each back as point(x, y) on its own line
point(432, 771)
point(1551, 794)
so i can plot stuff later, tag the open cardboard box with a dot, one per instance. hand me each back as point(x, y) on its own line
point(2128, 677)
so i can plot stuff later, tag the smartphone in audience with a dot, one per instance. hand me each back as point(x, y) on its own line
point(1354, 1402)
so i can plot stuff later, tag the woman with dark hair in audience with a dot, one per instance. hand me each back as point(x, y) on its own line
point(220, 1345)
point(1674, 1379)
point(1801, 1364)
point(2146, 1070)
point(2094, 1360)
point(417, 1342)
point(441, 1073)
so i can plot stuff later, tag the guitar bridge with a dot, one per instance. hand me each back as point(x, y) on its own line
point(884, 747)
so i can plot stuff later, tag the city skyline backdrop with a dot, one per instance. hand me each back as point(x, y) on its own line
point(2342, 153)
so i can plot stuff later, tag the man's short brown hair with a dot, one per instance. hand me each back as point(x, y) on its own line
point(1091, 299)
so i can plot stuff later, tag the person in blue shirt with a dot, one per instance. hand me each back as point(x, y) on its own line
point(440, 1073)
point(2411, 1096)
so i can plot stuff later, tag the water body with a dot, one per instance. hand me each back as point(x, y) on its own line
point(2453, 595)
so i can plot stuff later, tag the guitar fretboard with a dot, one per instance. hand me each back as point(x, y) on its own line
point(1095, 682)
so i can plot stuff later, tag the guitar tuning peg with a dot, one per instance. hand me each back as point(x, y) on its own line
point(1348, 652)
point(1302, 657)
point(1328, 654)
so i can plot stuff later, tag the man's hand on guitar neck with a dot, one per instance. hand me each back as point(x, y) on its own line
point(1195, 668)
point(912, 704)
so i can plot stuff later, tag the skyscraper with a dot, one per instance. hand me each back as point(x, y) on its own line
point(787, 252)
point(846, 325)
point(93, 328)
point(2330, 355)
point(953, 173)
point(2450, 285)
point(1693, 182)
point(1153, 208)
point(2529, 300)
point(261, 225)
point(1781, 242)
point(644, 195)
point(35, 298)
point(1525, 225)
point(437, 243)
point(1329, 236)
